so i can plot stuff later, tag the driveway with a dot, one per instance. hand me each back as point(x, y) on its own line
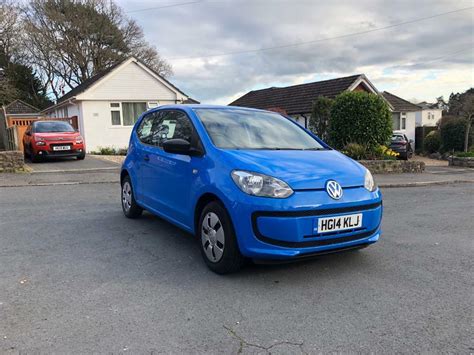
point(72, 165)
point(78, 277)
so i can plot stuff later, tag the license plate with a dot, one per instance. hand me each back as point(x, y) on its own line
point(340, 223)
point(62, 147)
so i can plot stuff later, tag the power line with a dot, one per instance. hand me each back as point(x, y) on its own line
point(164, 6)
point(449, 55)
point(353, 34)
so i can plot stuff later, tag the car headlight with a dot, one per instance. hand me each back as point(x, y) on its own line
point(369, 182)
point(79, 140)
point(261, 185)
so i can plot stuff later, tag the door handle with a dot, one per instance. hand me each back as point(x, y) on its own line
point(146, 157)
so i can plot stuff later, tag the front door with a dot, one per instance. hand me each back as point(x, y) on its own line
point(166, 177)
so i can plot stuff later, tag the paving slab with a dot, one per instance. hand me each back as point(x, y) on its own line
point(72, 164)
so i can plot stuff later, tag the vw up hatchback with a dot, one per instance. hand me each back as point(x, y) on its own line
point(249, 184)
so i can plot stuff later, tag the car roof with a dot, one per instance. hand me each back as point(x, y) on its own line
point(205, 106)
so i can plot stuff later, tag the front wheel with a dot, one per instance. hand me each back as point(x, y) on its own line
point(129, 206)
point(218, 243)
point(81, 156)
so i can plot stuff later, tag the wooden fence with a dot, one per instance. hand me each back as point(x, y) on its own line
point(12, 138)
point(16, 128)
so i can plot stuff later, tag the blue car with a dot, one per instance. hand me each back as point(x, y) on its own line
point(249, 184)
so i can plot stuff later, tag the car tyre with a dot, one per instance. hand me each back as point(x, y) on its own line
point(129, 206)
point(81, 156)
point(35, 158)
point(217, 240)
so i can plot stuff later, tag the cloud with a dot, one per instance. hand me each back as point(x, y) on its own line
point(424, 59)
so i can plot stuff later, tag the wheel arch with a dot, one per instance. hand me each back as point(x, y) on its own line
point(203, 200)
point(123, 174)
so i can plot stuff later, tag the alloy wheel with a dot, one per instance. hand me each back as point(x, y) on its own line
point(212, 237)
point(127, 196)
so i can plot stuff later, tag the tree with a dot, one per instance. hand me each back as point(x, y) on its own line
point(17, 80)
point(462, 105)
point(69, 41)
point(8, 92)
point(320, 115)
point(359, 117)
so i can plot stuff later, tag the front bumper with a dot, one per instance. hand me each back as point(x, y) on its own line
point(286, 229)
point(47, 150)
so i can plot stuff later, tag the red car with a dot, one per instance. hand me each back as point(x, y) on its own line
point(44, 139)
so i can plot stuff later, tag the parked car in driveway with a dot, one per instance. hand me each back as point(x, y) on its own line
point(52, 139)
point(402, 145)
point(249, 184)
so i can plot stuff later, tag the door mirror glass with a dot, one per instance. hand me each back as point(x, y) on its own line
point(177, 146)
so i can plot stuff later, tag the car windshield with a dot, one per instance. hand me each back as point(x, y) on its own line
point(247, 129)
point(52, 127)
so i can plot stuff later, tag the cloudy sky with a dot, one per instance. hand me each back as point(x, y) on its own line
point(419, 57)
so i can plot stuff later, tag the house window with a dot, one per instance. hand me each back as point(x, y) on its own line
point(131, 111)
point(396, 121)
point(152, 104)
point(115, 113)
point(399, 121)
point(115, 118)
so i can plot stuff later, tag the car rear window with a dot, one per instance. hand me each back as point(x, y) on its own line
point(397, 138)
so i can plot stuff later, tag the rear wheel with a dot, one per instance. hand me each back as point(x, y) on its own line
point(218, 242)
point(129, 206)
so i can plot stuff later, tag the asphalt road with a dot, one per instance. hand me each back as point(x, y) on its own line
point(78, 277)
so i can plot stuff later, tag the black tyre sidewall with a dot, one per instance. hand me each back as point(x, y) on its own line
point(232, 260)
point(135, 210)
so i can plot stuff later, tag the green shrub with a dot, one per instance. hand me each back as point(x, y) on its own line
point(110, 151)
point(432, 142)
point(359, 117)
point(361, 152)
point(355, 151)
point(320, 116)
point(464, 154)
point(452, 134)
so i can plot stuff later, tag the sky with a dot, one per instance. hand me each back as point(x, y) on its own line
point(424, 53)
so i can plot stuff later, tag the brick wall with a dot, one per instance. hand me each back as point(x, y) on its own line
point(11, 161)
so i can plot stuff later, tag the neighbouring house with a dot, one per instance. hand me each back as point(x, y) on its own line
point(15, 109)
point(296, 101)
point(403, 114)
point(429, 115)
point(108, 104)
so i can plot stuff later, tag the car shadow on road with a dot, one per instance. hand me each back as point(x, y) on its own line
point(156, 237)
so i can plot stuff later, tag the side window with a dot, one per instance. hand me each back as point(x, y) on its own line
point(158, 127)
point(147, 127)
point(176, 124)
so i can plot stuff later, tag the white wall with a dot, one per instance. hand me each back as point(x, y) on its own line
point(98, 130)
point(131, 83)
point(410, 125)
point(429, 117)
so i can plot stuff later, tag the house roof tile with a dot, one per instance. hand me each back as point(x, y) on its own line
point(297, 98)
point(20, 107)
point(400, 104)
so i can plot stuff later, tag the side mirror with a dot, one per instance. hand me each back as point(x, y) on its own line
point(177, 146)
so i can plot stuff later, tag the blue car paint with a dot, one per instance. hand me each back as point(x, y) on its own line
point(170, 186)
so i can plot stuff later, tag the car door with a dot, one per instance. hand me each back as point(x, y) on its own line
point(166, 177)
